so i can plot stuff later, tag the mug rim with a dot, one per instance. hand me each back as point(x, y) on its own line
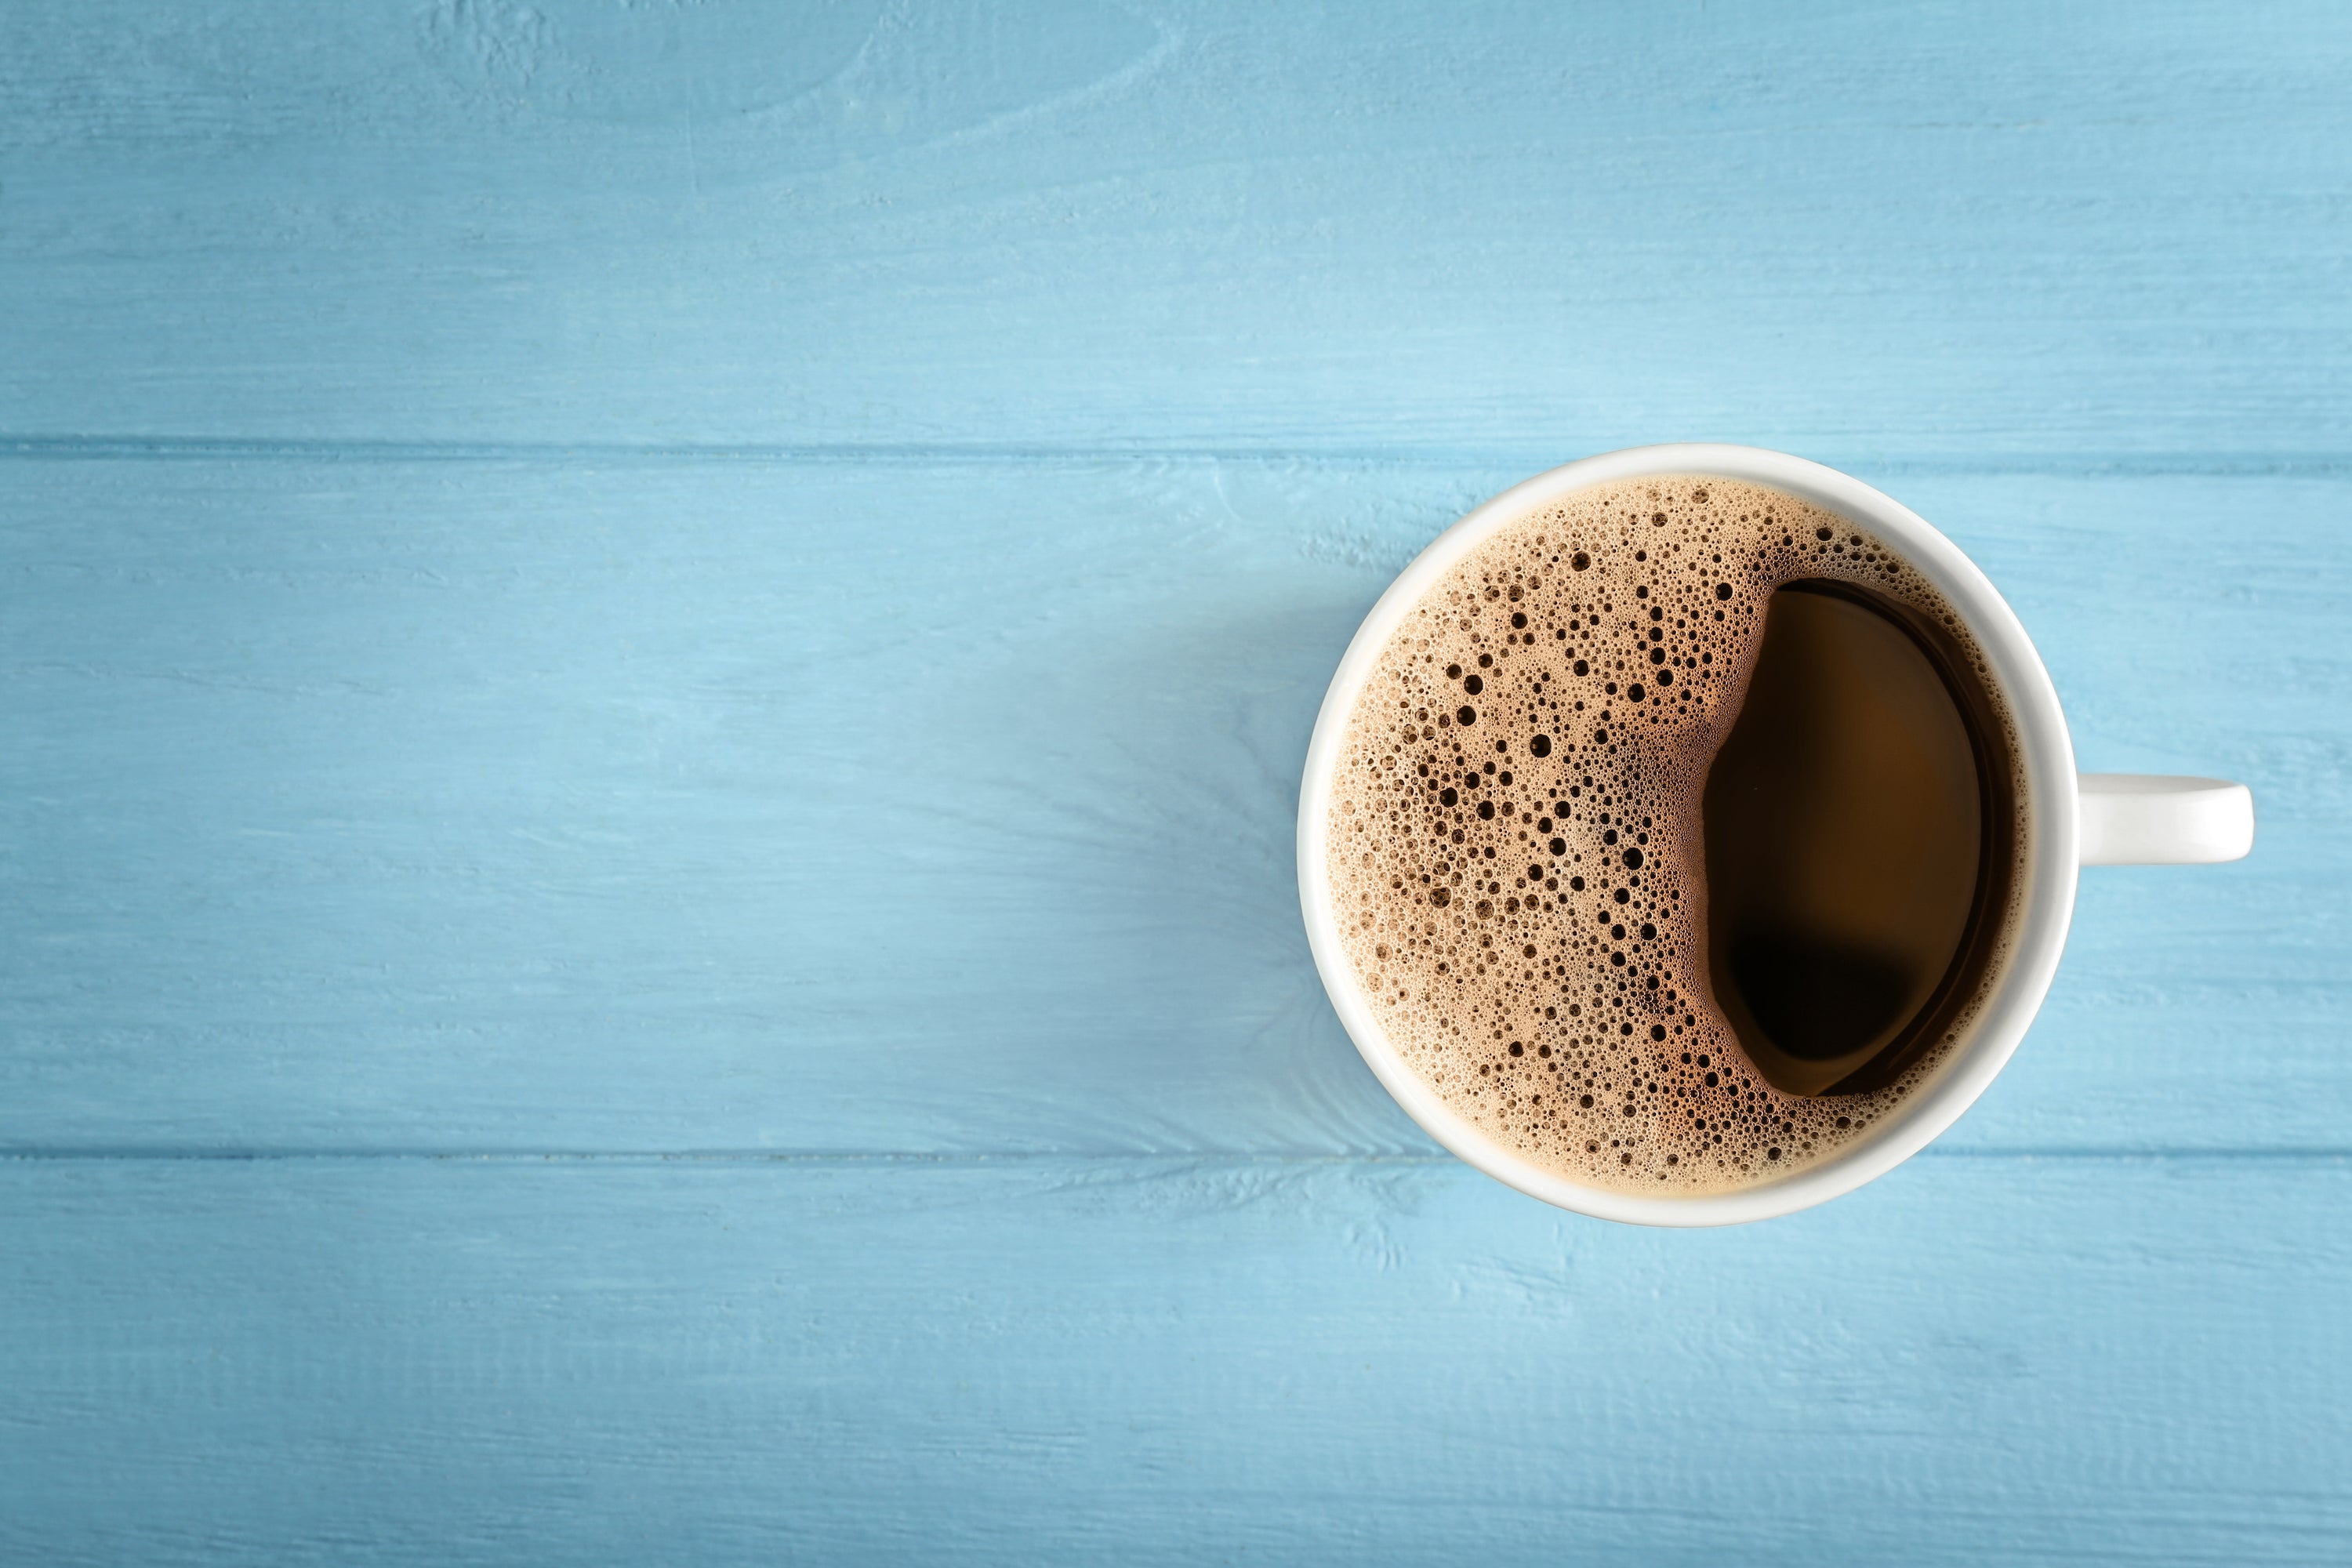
point(2049, 807)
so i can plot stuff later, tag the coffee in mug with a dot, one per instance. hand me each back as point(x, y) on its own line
point(1676, 832)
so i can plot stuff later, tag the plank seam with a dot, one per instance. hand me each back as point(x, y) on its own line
point(819, 1158)
point(185, 449)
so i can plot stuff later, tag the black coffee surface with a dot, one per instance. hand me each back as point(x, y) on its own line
point(1852, 837)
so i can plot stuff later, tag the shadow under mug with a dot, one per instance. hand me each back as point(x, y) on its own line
point(2076, 820)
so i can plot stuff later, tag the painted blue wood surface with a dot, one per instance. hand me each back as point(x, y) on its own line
point(2058, 1361)
point(944, 808)
point(653, 663)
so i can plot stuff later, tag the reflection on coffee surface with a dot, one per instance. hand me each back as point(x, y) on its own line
point(1676, 834)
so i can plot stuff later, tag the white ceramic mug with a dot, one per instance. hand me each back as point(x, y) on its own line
point(2089, 819)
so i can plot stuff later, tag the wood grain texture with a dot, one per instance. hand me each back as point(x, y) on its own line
point(1053, 1361)
point(653, 664)
point(817, 807)
point(1853, 230)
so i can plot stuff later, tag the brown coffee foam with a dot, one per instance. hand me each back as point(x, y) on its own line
point(1559, 999)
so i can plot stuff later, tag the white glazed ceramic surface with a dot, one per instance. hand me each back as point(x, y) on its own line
point(2050, 810)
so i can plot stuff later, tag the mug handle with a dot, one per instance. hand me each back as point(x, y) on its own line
point(2156, 819)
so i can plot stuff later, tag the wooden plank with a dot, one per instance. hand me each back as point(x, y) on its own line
point(1863, 231)
point(681, 806)
point(455, 1361)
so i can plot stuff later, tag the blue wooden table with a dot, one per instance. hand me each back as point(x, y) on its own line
point(653, 664)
